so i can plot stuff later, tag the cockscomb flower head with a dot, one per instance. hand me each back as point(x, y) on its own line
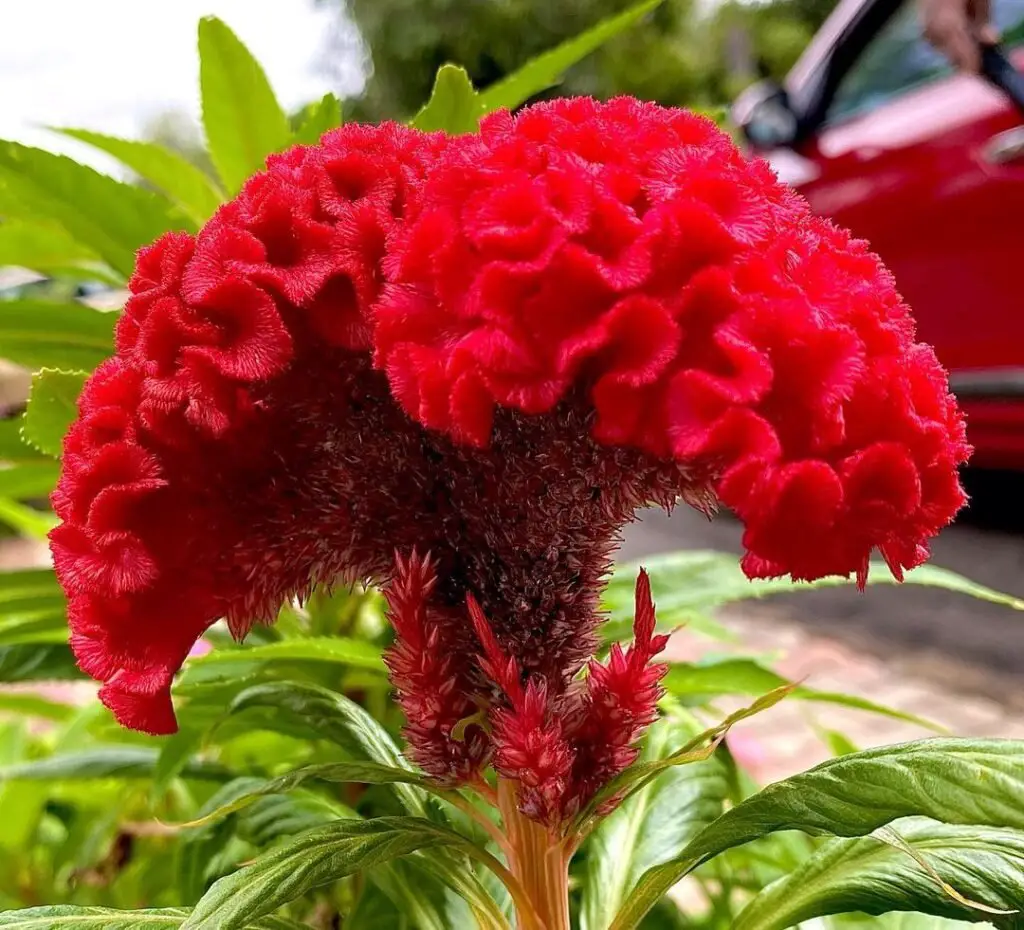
point(456, 367)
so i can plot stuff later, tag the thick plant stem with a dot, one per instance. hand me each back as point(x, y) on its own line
point(539, 860)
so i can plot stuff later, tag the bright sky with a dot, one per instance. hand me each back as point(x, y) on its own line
point(110, 65)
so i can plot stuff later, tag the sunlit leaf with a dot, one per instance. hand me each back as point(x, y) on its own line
point(29, 589)
point(37, 627)
point(47, 334)
point(183, 183)
point(454, 105)
point(439, 888)
point(13, 448)
point(52, 408)
point(48, 249)
point(317, 118)
point(895, 921)
point(28, 481)
point(698, 749)
point(244, 123)
point(108, 217)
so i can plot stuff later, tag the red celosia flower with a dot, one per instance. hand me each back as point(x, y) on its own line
point(494, 349)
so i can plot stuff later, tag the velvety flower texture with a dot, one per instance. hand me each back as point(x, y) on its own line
point(456, 367)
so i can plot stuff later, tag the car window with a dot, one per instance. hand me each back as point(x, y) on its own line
point(898, 59)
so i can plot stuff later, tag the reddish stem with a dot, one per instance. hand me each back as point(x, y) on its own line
point(538, 859)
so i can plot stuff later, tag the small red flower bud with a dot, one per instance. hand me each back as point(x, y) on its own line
point(431, 680)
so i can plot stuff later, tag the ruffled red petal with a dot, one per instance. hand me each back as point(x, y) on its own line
point(631, 249)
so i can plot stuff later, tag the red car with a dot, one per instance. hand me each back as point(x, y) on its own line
point(874, 127)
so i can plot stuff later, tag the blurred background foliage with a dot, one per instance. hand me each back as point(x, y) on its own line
point(687, 52)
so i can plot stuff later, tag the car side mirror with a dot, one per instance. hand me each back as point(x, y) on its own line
point(763, 114)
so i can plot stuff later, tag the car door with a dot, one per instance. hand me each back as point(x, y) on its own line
point(928, 166)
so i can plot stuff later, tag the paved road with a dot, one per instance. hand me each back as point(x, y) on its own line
point(977, 646)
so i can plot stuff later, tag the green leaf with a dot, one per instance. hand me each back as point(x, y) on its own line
point(275, 816)
point(30, 594)
point(106, 216)
point(868, 875)
point(422, 900)
point(183, 183)
point(746, 676)
point(35, 581)
point(305, 710)
point(174, 756)
point(838, 743)
point(454, 105)
point(49, 250)
point(32, 705)
point(699, 580)
point(546, 70)
point(38, 662)
point(44, 334)
point(317, 858)
point(198, 850)
point(651, 827)
point(52, 408)
point(339, 650)
point(38, 627)
point(366, 773)
point(373, 911)
point(244, 123)
point(700, 748)
point(28, 482)
point(666, 915)
point(103, 762)
point(25, 520)
point(68, 917)
point(952, 781)
point(448, 875)
point(895, 921)
point(318, 118)
point(204, 852)
point(13, 448)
